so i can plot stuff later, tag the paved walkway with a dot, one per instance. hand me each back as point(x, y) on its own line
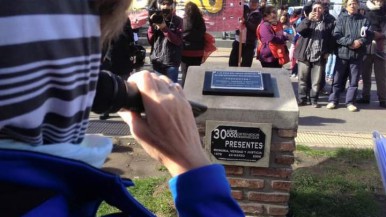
point(317, 127)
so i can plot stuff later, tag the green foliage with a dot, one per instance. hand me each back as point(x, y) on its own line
point(153, 193)
point(316, 152)
point(344, 185)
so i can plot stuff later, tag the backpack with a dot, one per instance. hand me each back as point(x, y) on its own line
point(279, 51)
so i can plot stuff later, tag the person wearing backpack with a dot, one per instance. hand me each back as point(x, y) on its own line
point(271, 49)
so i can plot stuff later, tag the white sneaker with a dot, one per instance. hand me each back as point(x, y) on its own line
point(331, 105)
point(352, 108)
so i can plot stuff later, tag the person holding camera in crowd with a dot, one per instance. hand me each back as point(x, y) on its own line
point(351, 35)
point(48, 163)
point(314, 45)
point(165, 38)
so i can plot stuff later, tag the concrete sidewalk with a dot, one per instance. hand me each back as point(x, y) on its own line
point(318, 127)
point(114, 127)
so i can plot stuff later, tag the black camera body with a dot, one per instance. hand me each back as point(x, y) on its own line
point(158, 15)
point(114, 93)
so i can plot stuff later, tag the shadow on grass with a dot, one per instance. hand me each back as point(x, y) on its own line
point(345, 183)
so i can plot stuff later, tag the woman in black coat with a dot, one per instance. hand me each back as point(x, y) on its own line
point(193, 38)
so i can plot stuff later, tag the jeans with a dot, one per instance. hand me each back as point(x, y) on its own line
point(346, 69)
point(171, 72)
point(330, 66)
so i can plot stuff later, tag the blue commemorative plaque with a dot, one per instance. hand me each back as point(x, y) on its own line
point(237, 80)
point(237, 83)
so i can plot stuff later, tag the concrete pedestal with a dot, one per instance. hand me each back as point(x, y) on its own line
point(260, 183)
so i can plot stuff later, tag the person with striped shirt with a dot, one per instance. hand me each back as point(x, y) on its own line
point(50, 80)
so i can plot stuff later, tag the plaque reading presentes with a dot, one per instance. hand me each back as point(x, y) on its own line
point(232, 143)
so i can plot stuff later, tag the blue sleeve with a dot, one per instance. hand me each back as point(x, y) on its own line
point(204, 191)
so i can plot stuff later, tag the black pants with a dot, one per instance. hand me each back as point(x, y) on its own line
point(185, 63)
point(248, 52)
point(274, 64)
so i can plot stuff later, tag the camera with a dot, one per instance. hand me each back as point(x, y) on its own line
point(158, 15)
point(113, 93)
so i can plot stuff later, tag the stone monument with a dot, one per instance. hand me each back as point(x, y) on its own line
point(250, 127)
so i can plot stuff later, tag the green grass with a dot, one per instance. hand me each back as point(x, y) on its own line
point(153, 193)
point(343, 185)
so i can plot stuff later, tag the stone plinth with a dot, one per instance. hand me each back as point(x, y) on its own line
point(262, 189)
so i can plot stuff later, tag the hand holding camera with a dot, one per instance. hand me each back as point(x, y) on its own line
point(155, 16)
point(113, 93)
point(166, 108)
point(313, 15)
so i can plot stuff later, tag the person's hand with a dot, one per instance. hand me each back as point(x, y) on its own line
point(356, 44)
point(312, 16)
point(158, 26)
point(168, 133)
point(241, 20)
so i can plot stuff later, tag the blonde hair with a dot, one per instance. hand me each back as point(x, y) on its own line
point(113, 15)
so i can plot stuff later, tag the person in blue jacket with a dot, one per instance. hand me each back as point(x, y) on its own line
point(49, 77)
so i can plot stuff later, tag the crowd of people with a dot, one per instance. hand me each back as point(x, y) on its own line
point(323, 49)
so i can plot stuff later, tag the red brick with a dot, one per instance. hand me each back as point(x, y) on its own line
point(246, 183)
point(252, 208)
point(238, 195)
point(285, 159)
point(268, 197)
point(284, 146)
point(277, 210)
point(234, 170)
point(287, 133)
point(281, 185)
point(271, 172)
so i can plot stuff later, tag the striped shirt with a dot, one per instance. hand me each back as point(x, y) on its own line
point(49, 64)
